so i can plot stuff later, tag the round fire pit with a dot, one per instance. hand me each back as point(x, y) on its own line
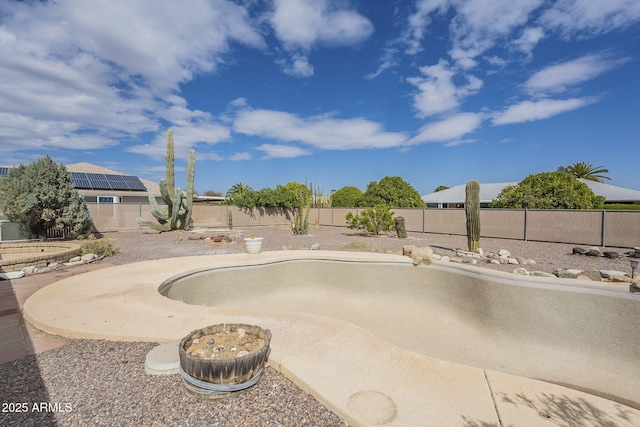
point(220, 360)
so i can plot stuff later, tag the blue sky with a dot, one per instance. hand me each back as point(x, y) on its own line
point(337, 92)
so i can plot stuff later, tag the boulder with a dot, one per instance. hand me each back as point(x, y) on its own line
point(612, 254)
point(593, 251)
point(621, 279)
point(88, 257)
point(564, 274)
point(504, 253)
point(408, 250)
point(607, 274)
point(521, 270)
point(590, 275)
point(579, 251)
point(423, 252)
point(75, 259)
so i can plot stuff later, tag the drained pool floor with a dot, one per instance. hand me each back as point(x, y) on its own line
point(346, 367)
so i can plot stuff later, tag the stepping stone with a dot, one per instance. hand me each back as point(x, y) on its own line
point(163, 359)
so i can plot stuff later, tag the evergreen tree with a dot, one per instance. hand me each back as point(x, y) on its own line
point(41, 196)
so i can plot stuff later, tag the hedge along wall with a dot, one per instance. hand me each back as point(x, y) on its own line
point(601, 228)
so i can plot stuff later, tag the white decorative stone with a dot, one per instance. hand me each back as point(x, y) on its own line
point(504, 253)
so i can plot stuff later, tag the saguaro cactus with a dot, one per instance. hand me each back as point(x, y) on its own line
point(472, 210)
point(176, 213)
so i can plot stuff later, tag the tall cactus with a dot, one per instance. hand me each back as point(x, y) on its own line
point(472, 210)
point(176, 213)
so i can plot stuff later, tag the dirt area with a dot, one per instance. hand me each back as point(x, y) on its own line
point(139, 246)
point(225, 345)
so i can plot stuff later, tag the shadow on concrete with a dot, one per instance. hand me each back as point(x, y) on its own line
point(23, 392)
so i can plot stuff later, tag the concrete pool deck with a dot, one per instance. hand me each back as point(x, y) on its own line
point(360, 377)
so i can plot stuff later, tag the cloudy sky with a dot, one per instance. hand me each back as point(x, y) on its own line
point(337, 92)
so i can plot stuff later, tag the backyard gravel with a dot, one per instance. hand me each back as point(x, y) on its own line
point(103, 383)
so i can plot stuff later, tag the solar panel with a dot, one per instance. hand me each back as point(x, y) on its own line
point(98, 181)
point(79, 180)
point(4, 171)
point(134, 183)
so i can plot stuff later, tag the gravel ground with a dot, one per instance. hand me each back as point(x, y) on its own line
point(103, 383)
point(89, 382)
point(548, 256)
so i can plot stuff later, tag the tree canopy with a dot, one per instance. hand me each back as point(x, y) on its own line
point(586, 171)
point(283, 196)
point(548, 190)
point(41, 196)
point(392, 191)
point(346, 197)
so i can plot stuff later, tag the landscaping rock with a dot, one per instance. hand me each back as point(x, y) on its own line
point(590, 275)
point(503, 253)
point(541, 274)
point(88, 257)
point(579, 251)
point(593, 251)
point(521, 270)
point(621, 279)
point(564, 274)
point(423, 252)
point(445, 258)
point(75, 259)
point(408, 250)
point(608, 274)
point(612, 254)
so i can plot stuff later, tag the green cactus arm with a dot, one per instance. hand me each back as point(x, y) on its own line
point(170, 166)
point(188, 202)
point(472, 211)
point(175, 211)
point(153, 225)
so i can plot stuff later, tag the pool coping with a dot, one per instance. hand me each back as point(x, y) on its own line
point(361, 378)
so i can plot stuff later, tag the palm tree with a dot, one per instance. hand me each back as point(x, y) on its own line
point(239, 190)
point(587, 171)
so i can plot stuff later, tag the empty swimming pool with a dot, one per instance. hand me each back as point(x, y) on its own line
point(556, 330)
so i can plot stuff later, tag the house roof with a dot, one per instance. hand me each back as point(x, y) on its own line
point(488, 192)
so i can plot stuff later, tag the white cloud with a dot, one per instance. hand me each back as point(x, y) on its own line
point(437, 92)
point(297, 66)
point(323, 132)
point(300, 24)
point(556, 78)
point(479, 25)
point(591, 16)
point(273, 151)
point(529, 39)
point(529, 111)
point(245, 155)
point(184, 138)
point(87, 74)
point(450, 129)
point(418, 22)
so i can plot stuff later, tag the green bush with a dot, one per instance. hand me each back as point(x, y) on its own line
point(392, 191)
point(548, 190)
point(373, 220)
point(346, 197)
point(100, 247)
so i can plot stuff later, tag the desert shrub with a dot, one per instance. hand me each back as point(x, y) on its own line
point(100, 247)
point(373, 220)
